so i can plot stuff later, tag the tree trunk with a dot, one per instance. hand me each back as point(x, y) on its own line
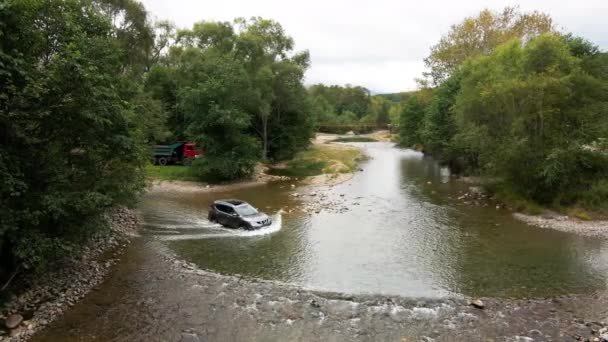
point(264, 138)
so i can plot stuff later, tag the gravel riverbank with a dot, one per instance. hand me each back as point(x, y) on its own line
point(153, 296)
point(567, 224)
point(49, 296)
point(550, 220)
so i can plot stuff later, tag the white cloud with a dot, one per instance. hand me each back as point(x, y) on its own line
point(378, 44)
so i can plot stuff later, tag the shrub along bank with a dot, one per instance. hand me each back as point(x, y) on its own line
point(533, 116)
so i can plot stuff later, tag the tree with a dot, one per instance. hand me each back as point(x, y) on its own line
point(275, 77)
point(410, 122)
point(378, 114)
point(339, 103)
point(480, 36)
point(132, 31)
point(215, 92)
point(68, 150)
point(529, 114)
point(165, 35)
point(292, 125)
point(264, 47)
point(439, 127)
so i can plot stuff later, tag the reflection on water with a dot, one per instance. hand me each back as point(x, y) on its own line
point(406, 233)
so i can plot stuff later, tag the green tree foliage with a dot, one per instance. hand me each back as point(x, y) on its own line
point(280, 107)
point(531, 115)
point(480, 35)
point(69, 148)
point(132, 31)
point(292, 123)
point(438, 125)
point(410, 122)
point(340, 106)
point(259, 90)
point(378, 114)
point(216, 93)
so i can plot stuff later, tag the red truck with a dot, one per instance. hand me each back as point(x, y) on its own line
point(176, 153)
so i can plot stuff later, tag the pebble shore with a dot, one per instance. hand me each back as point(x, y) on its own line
point(52, 294)
point(567, 224)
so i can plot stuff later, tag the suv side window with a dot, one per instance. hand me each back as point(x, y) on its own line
point(224, 208)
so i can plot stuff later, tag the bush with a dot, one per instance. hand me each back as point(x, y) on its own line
point(228, 165)
point(529, 115)
point(410, 122)
point(596, 197)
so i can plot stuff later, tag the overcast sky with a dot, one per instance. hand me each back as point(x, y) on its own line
point(377, 44)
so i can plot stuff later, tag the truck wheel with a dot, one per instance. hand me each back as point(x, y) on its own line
point(162, 161)
point(153, 161)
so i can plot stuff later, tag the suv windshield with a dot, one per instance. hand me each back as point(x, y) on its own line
point(245, 210)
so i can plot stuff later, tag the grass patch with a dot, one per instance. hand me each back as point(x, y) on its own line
point(320, 159)
point(171, 172)
point(353, 139)
point(514, 200)
point(299, 168)
point(580, 214)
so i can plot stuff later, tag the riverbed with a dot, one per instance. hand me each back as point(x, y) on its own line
point(393, 253)
point(397, 227)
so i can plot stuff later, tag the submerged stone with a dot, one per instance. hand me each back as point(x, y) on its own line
point(13, 321)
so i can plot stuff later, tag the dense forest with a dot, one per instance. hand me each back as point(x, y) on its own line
point(511, 99)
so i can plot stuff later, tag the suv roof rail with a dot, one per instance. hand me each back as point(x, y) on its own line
point(234, 202)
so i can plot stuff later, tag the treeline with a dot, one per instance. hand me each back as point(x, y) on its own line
point(526, 108)
point(87, 86)
point(338, 109)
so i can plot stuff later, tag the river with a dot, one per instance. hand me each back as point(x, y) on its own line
point(397, 227)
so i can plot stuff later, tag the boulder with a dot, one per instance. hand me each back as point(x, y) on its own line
point(477, 303)
point(13, 321)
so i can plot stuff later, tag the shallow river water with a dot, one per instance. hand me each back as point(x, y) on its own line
point(397, 227)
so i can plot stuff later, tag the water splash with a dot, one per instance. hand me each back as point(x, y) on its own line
point(277, 224)
point(200, 224)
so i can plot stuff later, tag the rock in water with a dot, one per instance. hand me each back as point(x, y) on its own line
point(13, 321)
point(188, 337)
point(477, 303)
